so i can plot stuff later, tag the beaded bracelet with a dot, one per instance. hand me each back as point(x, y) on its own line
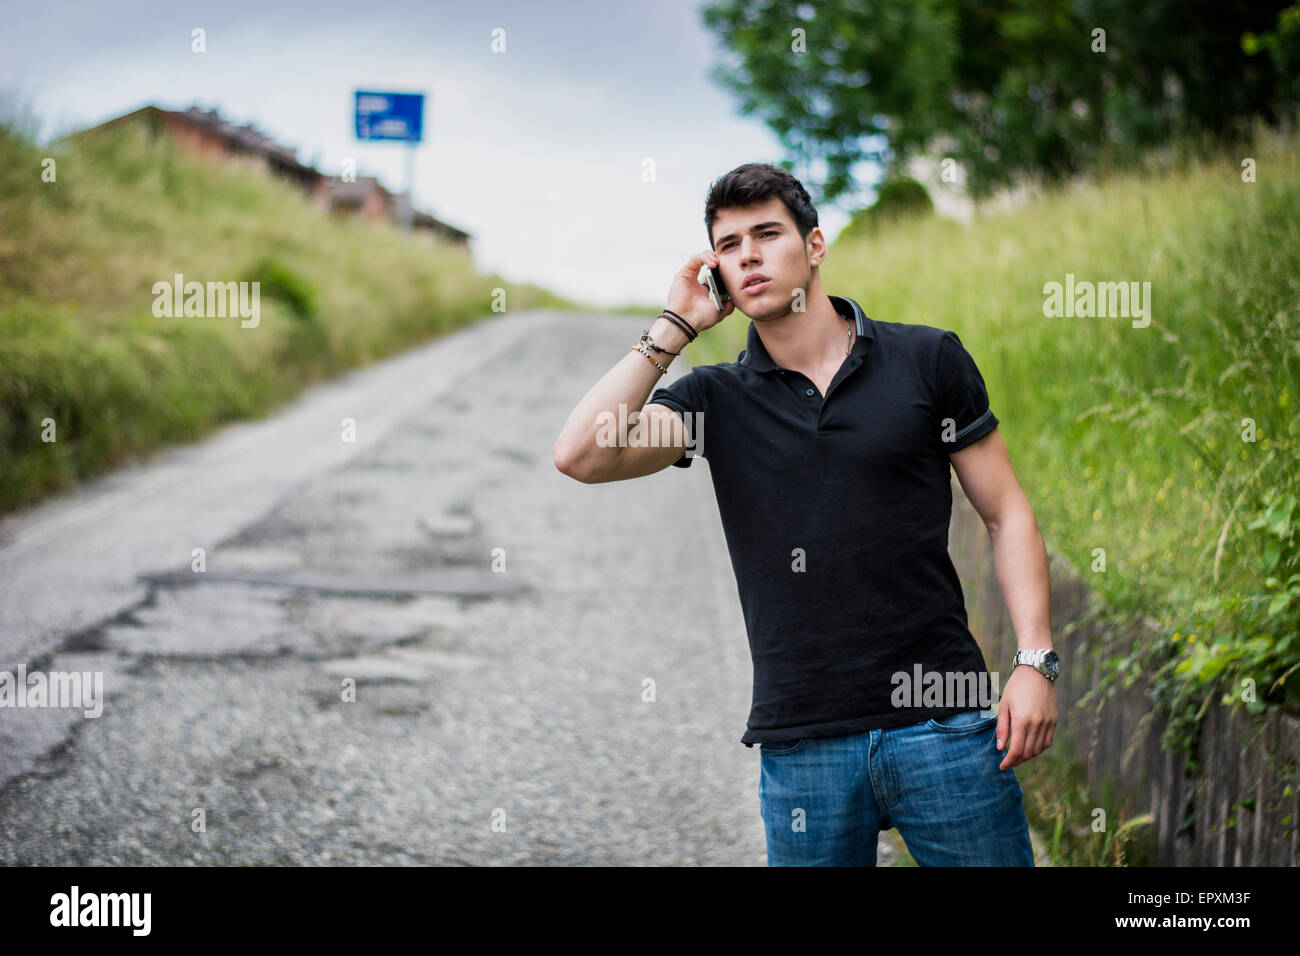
point(646, 352)
point(645, 337)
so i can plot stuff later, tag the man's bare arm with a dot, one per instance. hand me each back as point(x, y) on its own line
point(1020, 556)
point(1027, 713)
point(578, 450)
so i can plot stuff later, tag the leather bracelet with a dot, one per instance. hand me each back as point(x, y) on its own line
point(645, 337)
point(676, 316)
point(681, 323)
point(646, 352)
point(668, 318)
point(684, 325)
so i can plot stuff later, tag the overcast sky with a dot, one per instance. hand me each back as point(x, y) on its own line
point(537, 151)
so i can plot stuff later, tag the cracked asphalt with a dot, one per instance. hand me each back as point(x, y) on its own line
point(425, 647)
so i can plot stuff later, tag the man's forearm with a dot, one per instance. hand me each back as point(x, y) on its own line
point(628, 383)
point(1020, 559)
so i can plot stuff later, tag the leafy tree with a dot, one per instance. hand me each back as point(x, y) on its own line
point(1009, 88)
point(1283, 46)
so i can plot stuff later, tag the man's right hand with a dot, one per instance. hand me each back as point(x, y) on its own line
point(689, 299)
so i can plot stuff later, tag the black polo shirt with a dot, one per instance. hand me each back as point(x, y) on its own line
point(836, 511)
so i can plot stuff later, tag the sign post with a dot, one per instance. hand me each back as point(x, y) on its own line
point(398, 117)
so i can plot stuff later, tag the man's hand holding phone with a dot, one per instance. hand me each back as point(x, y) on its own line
point(689, 296)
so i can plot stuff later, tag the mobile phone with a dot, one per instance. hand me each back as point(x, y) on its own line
point(718, 294)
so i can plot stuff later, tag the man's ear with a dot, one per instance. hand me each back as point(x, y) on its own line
point(812, 256)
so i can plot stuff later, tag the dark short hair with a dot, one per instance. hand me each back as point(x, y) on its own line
point(755, 183)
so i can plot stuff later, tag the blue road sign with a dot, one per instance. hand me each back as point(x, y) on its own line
point(398, 116)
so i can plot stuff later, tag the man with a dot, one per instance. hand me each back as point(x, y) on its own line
point(829, 442)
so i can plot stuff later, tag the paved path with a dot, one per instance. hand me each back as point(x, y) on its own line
point(511, 697)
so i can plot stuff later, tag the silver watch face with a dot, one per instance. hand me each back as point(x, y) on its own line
point(1051, 664)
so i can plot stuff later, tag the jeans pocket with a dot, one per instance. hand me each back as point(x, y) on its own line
point(779, 748)
point(965, 722)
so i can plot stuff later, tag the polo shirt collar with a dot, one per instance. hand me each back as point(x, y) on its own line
point(755, 355)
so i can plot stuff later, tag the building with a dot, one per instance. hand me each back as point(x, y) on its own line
point(365, 196)
point(205, 133)
point(362, 197)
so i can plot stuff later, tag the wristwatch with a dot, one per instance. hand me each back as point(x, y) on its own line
point(1042, 660)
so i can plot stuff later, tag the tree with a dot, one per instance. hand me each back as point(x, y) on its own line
point(1009, 88)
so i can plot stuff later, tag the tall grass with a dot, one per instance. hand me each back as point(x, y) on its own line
point(1061, 806)
point(80, 346)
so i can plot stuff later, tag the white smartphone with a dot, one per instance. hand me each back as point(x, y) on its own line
point(712, 279)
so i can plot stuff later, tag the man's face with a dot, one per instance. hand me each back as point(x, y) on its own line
point(762, 240)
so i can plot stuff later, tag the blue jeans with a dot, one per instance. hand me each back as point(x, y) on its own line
point(824, 800)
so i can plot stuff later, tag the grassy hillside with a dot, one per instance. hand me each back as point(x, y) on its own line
point(79, 341)
point(1135, 440)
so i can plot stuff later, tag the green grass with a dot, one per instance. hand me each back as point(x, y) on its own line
point(1131, 439)
point(1078, 826)
point(80, 346)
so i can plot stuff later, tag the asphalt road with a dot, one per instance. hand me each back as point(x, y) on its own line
point(497, 619)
